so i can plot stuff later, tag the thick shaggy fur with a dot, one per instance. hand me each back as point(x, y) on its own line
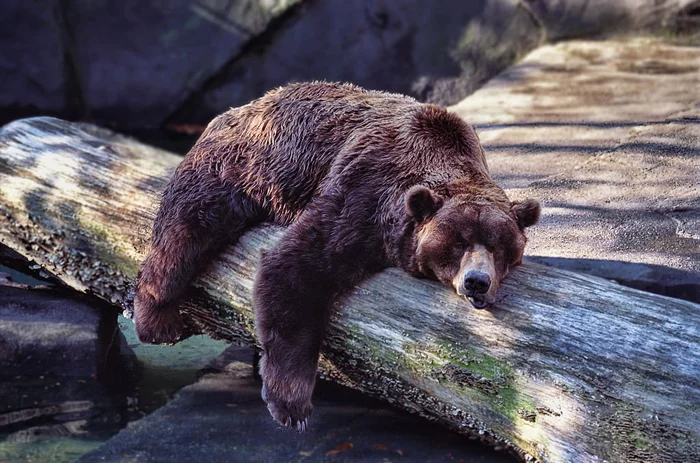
point(365, 180)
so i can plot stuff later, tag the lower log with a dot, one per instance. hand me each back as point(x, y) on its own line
point(565, 367)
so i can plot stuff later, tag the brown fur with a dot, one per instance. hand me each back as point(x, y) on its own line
point(365, 180)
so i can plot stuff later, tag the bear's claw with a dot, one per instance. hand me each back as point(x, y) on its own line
point(303, 425)
point(298, 419)
point(289, 415)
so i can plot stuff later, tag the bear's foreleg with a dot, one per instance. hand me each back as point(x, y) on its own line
point(198, 216)
point(321, 256)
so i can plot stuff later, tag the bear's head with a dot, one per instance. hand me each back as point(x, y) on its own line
point(467, 242)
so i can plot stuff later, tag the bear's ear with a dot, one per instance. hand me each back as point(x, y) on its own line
point(526, 212)
point(422, 202)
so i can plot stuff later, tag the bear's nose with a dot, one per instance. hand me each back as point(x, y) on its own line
point(477, 282)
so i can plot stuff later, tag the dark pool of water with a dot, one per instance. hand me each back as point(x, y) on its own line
point(57, 419)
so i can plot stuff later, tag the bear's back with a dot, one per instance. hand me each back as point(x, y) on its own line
point(280, 148)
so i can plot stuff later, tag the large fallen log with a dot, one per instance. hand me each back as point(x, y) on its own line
point(565, 367)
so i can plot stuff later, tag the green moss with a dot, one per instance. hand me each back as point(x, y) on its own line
point(638, 440)
point(463, 369)
point(469, 371)
point(490, 385)
point(54, 450)
point(468, 359)
point(354, 337)
point(513, 404)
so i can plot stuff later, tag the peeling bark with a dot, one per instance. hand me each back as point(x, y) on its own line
point(565, 367)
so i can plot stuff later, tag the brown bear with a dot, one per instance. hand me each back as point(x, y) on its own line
point(365, 180)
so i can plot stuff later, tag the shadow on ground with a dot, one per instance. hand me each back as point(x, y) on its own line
point(658, 279)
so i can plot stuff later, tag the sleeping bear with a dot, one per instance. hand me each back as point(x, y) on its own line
point(365, 180)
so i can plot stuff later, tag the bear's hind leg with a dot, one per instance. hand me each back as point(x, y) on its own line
point(197, 218)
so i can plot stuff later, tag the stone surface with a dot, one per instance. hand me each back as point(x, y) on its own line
point(45, 333)
point(606, 134)
point(32, 63)
point(140, 65)
point(128, 63)
point(66, 376)
point(57, 418)
point(139, 60)
point(411, 47)
point(222, 418)
point(36, 410)
point(565, 19)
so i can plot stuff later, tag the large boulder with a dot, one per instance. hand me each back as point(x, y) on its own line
point(44, 332)
point(62, 361)
point(438, 53)
point(128, 63)
point(144, 64)
point(34, 70)
point(139, 60)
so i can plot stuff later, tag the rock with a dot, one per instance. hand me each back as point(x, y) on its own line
point(686, 24)
point(139, 65)
point(45, 333)
point(657, 279)
point(222, 418)
point(41, 407)
point(129, 64)
point(139, 60)
point(606, 134)
point(493, 40)
point(33, 67)
point(565, 19)
point(64, 371)
point(412, 47)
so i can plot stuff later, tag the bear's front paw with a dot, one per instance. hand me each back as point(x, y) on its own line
point(158, 326)
point(292, 414)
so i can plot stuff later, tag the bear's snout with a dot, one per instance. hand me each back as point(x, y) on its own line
point(476, 282)
point(477, 279)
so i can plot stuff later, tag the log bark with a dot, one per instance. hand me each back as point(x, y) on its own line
point(565, 367)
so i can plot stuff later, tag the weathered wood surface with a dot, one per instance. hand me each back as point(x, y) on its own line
point(565, 367)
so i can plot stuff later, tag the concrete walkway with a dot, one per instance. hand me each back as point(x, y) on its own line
point(607, 135)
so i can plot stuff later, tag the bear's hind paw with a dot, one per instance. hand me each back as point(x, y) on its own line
point(290, 415)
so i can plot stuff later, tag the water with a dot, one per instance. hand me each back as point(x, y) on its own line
point(166, 369)
point(58, 419)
